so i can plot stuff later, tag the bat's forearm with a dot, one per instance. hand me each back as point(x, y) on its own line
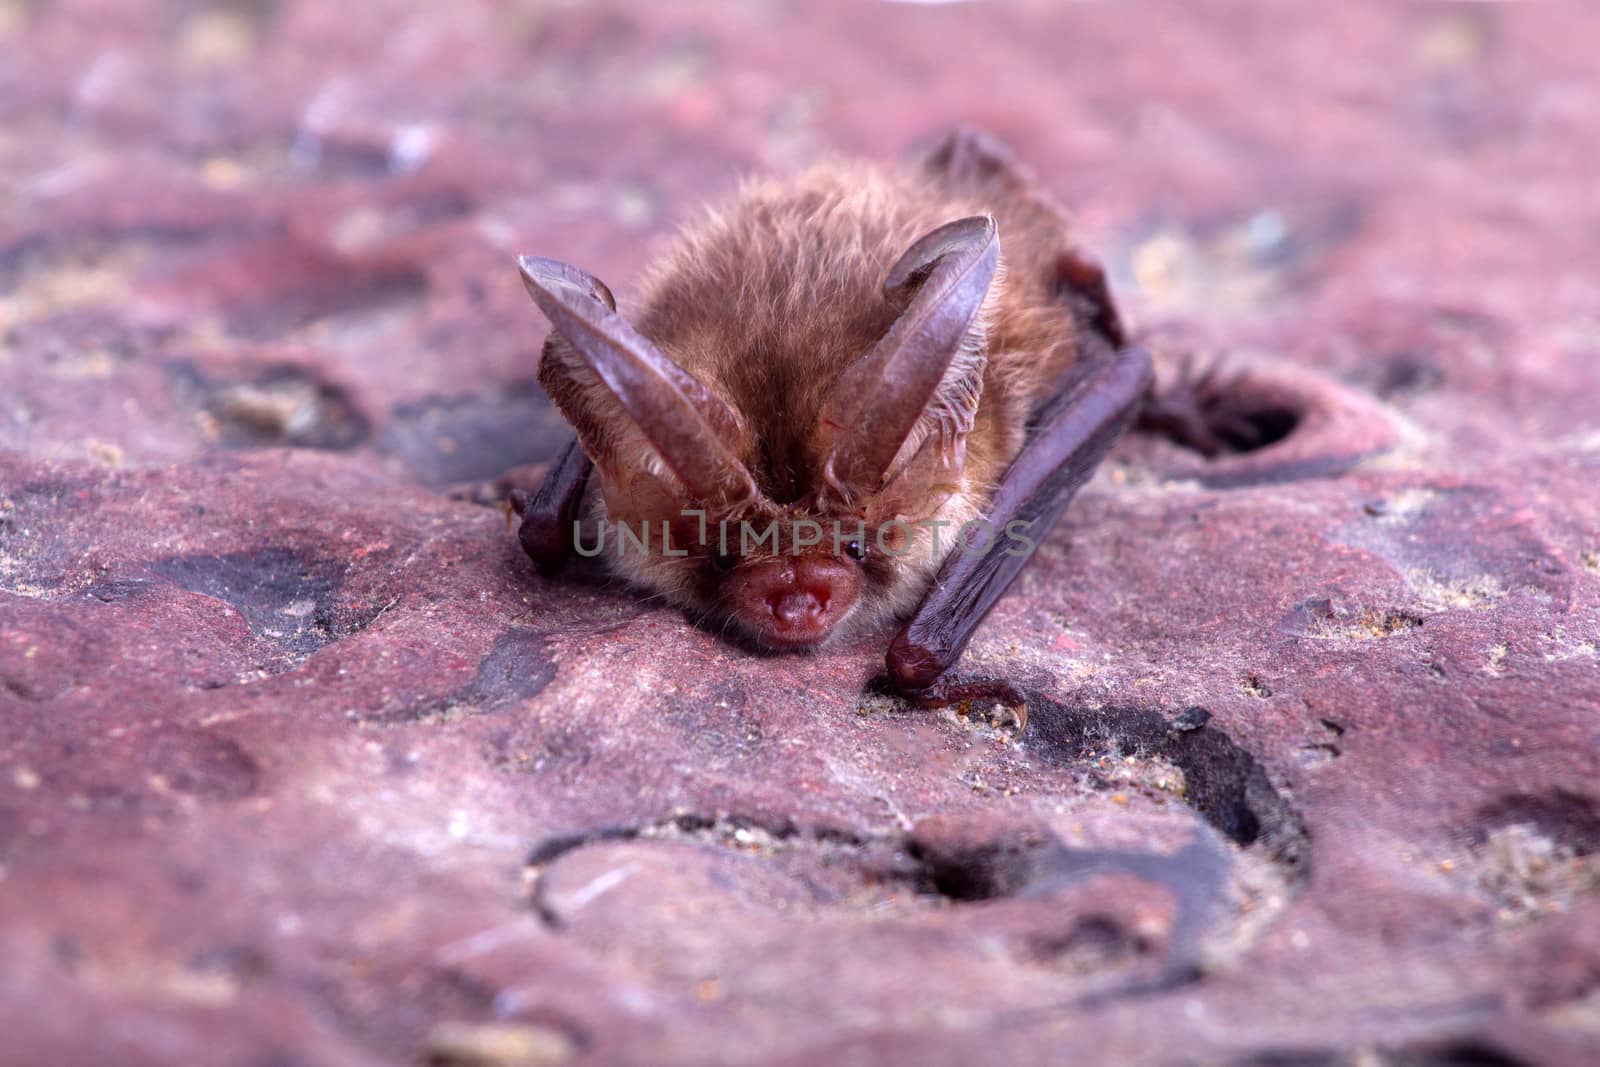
point(1074, 433)
point(546, 533)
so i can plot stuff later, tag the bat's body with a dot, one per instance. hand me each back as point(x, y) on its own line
point(868, 361)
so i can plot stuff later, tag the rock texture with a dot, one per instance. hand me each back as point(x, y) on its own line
point(300, 763)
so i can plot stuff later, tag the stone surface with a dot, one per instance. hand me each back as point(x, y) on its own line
point(301, 764)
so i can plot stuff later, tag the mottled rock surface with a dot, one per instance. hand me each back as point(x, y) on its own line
point(300, 763)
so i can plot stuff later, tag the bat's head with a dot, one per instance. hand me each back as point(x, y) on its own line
point(786, 510)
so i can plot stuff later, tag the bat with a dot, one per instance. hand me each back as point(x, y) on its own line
point(850, 398)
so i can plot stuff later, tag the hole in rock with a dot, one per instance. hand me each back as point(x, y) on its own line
point(1217, 412)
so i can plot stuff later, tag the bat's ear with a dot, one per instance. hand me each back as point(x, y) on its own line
point(910, 401)
point(621, 392)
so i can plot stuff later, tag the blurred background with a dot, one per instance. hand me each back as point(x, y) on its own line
point(273, 222)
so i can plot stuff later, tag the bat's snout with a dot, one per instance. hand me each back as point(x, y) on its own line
point(793, 602)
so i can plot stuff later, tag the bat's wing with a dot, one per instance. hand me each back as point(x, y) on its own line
point(546, 531)
point(970, 162)
point(1073, 434)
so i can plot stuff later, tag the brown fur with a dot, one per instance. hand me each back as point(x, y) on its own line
point(767, 298)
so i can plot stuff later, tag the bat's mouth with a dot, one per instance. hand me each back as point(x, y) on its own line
point(790, 641)
point(798, 632)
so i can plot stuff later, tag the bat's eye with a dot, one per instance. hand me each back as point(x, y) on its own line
point(856, 550)
point(724, 562)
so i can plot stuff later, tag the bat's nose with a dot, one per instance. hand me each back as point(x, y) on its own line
point(798, 607)
point(797, 601)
